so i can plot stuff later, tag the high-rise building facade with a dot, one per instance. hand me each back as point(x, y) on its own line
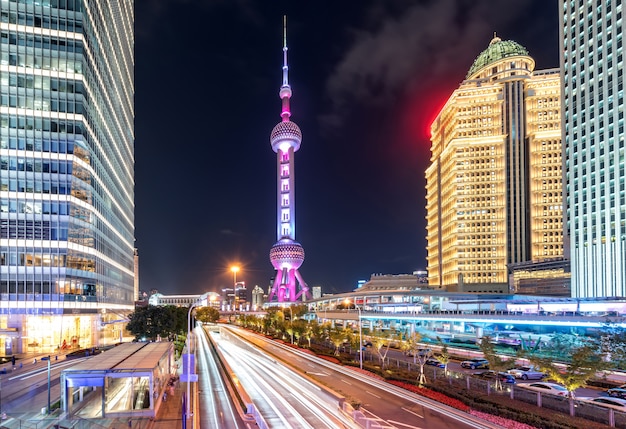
point(493, 187)
point(592, 63)
point(67, 256)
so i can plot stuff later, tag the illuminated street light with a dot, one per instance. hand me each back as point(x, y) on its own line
point(189, 377)
point(347, 301)
point(235, 270)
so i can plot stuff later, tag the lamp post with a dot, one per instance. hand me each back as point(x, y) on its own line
point(189, 377)
point(235, 270)
point(360, 334)
point(360, 338)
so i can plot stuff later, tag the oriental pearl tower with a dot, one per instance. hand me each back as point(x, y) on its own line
point(287, 255)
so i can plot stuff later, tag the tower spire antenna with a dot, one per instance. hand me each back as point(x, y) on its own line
point(285, 66)
point(285, 89)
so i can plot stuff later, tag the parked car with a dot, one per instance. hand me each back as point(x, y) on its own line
point(545, 387)
point(527, 373)
point(492, 375)
point(617, 392)
point(434, 362)
point(475, 363)
point(603, 401)
point(419, 352)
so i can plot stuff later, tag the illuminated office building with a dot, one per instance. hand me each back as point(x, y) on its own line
point(67, 256)
point(493, 187)
point(592, 62)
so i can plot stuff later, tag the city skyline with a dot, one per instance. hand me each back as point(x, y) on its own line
point(366, 87)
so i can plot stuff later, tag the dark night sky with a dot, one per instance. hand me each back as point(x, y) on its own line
point(368, 77)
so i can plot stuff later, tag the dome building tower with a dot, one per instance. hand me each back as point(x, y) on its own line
point(286, 255)
point(494, 185)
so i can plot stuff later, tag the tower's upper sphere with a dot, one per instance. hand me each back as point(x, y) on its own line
point(497, 50)
point(287, 252)
point(286, 132)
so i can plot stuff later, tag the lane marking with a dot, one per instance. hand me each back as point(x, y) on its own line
point(413, 412)
point(367, 391)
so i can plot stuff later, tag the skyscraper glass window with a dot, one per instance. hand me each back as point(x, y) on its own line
point(592, 66)
point(66, 172)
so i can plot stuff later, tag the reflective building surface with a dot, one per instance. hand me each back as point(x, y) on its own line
point(592, 62)
point(67, 258)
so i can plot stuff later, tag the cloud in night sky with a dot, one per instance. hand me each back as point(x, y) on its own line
point(405, 47)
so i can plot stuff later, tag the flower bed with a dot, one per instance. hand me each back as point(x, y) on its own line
point(439, 397)
point(500, 421)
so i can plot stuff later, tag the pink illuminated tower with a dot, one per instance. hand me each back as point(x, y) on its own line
point(287, 255)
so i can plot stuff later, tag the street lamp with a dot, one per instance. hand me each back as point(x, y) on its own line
point(189, 376)
point(360, 335)
point(235, 270)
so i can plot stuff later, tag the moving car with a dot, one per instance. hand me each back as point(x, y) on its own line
point(475, 363)
point(545, 387)
point(492, 375)
point(527, 373)
point(603, 401)
point(617, 392)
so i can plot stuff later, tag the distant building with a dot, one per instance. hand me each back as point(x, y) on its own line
point(541, 278)
point(235, 298)
point(258, 297)
point(494, 187)
point(395, 282)
point(206, 299)
point(316, 291)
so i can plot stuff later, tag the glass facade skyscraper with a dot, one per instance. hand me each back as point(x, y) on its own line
point(592, 63)
point(67, 262)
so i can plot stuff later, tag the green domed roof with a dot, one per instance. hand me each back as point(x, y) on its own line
point(496, 50)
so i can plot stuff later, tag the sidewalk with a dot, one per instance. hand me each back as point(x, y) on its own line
point(170, 413)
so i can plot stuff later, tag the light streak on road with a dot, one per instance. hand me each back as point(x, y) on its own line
point(215, 405)
point(282, 396)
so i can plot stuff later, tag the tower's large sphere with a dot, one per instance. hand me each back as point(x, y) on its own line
point(287, 252)
point(286, 133)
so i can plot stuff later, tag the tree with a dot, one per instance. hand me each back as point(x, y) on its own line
point(444, 355)
point(337, 336)
point(154, 322)
point(207, 314)
point(412, 344)
point(380, 341)
point(299, 327)
point(612, 343)
point(496, 363)
point(585, 363)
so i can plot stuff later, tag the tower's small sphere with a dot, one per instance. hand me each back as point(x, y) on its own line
point(285, 91)
point(286, 132)
point(287, 252)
